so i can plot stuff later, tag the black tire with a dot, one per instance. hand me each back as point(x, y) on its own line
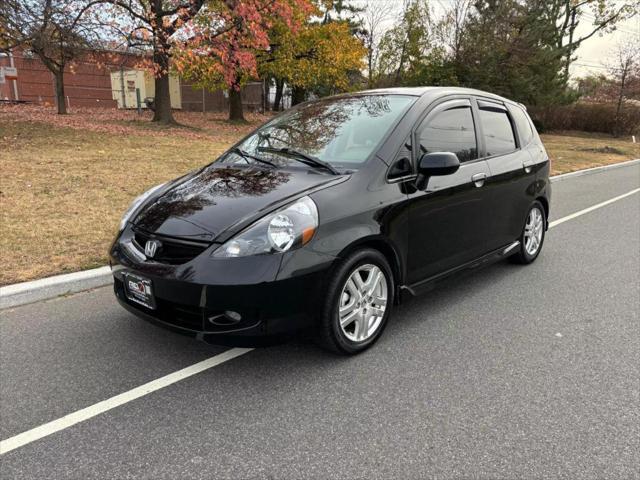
point(330, 335)
point(522, 256)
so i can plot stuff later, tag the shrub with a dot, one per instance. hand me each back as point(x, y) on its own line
point(588, 117)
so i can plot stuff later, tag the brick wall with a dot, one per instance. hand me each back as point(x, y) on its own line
point(87, 83)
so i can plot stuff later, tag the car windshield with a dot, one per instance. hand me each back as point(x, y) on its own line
point(342, 132)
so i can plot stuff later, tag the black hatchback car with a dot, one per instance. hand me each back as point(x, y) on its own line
point(326, 215)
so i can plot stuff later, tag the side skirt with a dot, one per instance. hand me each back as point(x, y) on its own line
point(429, 283)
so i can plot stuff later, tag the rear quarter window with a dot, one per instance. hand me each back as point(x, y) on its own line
point(523, 125)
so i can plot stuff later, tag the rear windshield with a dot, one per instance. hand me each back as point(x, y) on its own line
point(341, 131)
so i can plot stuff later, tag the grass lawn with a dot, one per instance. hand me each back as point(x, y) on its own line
point(64, 188)
point(571, 151)
point(66, 181)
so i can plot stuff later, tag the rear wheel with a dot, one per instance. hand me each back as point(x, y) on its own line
point(532, 236)
point(358, 303)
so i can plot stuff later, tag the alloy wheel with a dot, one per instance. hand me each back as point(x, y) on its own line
point(363, 301)
point(533, 230)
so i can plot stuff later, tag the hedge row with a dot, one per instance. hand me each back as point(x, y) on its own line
point(588, 117)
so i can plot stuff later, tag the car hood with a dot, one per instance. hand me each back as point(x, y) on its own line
point(211, 201)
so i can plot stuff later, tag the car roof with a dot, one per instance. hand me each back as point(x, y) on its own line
point(432, 91)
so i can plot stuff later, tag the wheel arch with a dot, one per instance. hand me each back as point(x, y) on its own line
point(545, 205)
point(386, 248)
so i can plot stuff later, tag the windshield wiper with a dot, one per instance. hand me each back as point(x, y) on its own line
point(247, 155)
point(301, 157)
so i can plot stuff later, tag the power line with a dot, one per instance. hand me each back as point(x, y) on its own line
point(589, 66)
point(618, 29)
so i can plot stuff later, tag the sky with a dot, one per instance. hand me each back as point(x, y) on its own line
point(594, 54)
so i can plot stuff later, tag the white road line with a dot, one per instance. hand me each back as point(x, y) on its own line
point(86, 413)
point(67, 421)
point(555, 223)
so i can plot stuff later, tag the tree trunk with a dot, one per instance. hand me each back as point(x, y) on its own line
point(163, 113)
point(279, 90)
point(266, 90)
point(298, 95)
point(570, 49)
point(59, 80)
point(370, 61)
point(235, 105)
point(400, 64)
point(623, 79)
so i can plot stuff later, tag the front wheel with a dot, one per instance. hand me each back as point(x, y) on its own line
point(358, 303)
point(532, 236)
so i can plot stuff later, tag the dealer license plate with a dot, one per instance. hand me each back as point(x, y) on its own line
point(140, 290)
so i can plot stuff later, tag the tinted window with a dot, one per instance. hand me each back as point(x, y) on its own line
point(451, 131)
point(523, 125)
point(342, 131)
point(498, 133)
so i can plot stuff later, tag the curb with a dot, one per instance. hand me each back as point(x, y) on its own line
point(51, 287)
point(588, 171)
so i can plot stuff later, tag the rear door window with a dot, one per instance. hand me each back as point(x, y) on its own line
point(499, 137)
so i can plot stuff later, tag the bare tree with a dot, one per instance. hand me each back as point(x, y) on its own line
point(57, 31)
point(625, 73)
point(450, 29)
point(374, 16)
point(404, 47)
point(601, 15)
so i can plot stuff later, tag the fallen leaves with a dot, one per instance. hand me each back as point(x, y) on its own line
point(192, 125)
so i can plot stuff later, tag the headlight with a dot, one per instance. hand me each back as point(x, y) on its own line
point(286, 229)
point(136, 203)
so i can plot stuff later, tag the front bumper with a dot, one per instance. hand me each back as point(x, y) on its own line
point(274, 295)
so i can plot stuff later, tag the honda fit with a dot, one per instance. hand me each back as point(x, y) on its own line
point(323, 218)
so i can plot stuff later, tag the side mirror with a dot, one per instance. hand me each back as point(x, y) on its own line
point(438, 163)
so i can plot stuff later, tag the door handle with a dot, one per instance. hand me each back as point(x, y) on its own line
point(527, 165)
point(478, 179)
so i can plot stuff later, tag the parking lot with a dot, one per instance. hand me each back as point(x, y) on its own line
point(511, 372)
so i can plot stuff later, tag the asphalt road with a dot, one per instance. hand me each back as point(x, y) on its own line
point(512, 372)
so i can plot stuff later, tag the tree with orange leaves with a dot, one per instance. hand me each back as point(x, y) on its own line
point(220, 50)
point(320, 58)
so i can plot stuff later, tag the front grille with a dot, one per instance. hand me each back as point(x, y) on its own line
point(174, 251)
